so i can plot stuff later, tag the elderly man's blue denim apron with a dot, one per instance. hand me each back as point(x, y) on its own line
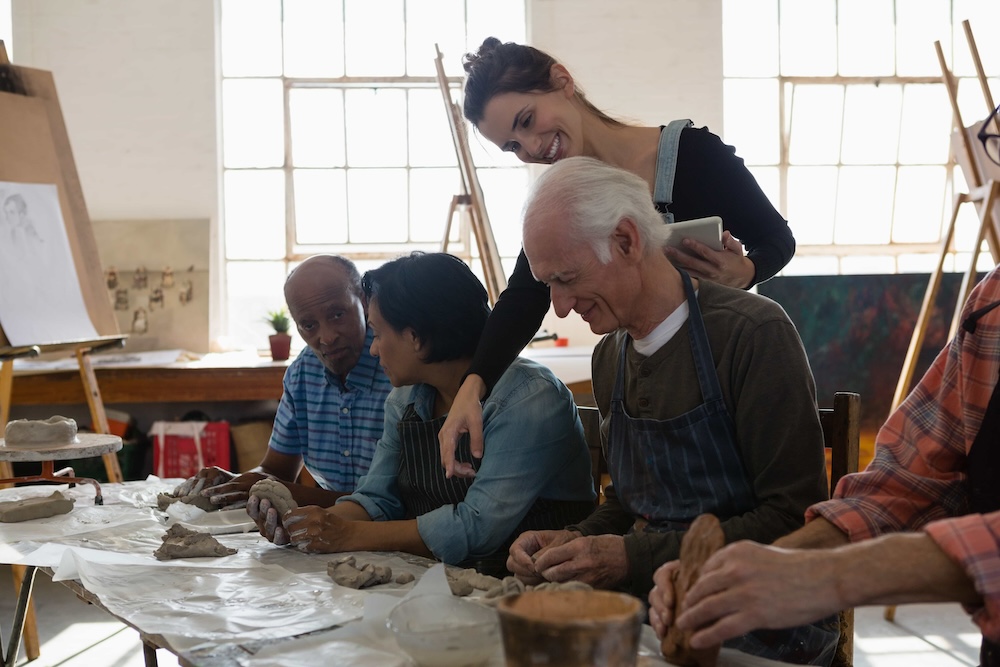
point(669, 471)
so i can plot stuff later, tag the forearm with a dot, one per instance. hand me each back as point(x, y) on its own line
point(899, 569)
point(387, 536)
point(817, 534)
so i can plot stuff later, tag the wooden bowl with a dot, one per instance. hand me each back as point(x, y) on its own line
point(570, 628)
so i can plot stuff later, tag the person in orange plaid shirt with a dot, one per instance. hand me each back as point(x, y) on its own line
point(920, 524)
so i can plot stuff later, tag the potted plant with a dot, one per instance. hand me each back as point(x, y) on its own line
point(281, 340)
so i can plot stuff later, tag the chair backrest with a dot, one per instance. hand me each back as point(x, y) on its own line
point(842, 436)
point(591, 419)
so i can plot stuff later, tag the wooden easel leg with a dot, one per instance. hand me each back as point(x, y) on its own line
point(920, 330)
point(32, 647)
point(6, 389)
point(97, 413)
point(969, 279)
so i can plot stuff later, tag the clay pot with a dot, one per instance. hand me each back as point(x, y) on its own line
point(570, 628)
point(281, 344)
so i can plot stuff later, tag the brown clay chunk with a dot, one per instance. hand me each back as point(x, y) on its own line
point(53, 431)
point(179, 542)
point(703, 538)
point(14, 511)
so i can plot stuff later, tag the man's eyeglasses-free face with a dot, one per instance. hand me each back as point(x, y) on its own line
point(991, 140)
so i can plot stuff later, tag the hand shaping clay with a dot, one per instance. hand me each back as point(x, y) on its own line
point(34, 508)
point(54, 431)
point(165, 500)
point(179, 542)
point(279, 495)
point(702, 539)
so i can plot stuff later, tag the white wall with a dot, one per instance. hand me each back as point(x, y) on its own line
point(137, 82)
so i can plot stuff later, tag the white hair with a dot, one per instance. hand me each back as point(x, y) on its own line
point(594, 197)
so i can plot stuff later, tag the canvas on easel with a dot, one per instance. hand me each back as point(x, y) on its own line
point(469, 204)
point(41, 185)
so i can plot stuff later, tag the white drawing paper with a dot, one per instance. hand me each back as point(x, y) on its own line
point(40, 297)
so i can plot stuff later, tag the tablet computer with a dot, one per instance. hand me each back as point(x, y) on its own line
point(706, 230)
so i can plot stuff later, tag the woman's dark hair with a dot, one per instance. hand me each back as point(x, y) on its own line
point(437, 296)
point(507, 67)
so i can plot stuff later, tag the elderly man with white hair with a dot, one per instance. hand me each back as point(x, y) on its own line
point(707, 401)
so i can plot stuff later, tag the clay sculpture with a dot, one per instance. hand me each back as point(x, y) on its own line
point(54, 431)
point(702, 539)
point(279, 495)
point(165, 500)
point(35, 508)
point(179, 542)
point(344, 571)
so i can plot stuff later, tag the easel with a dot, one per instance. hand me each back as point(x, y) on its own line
point(984, 193)
point(37, 150)
point(469, 204)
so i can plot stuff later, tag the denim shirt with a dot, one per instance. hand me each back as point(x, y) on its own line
point(534, 448)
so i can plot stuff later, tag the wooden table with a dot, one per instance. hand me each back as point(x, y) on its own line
point(180, 382)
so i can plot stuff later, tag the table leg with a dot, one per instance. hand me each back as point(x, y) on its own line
point(20, 613)
point(149, 654)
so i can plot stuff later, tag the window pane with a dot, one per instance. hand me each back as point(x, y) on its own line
point(812, 204)
point(251, 37)
point(376, 127)
point(252, 121)
point(504, 191)
point(431, 144)
point(253, 289)
point(374, 37)
point(255, 214)
point(867, 264)
point(750, 37)
point(808, 37)
point(916, 263)
point(920, 202)
point(503, 20)
point(812, 265)
point(866, 35)
point(317, 119)
point(430, 22)
point(864, 205)
point(871, 119)
point(918, 26)
point(751, 119)
point(431, 191)
point(926, 112)
point(314, 38)
point(377, 205)
point(320, 206)
point(816, 122)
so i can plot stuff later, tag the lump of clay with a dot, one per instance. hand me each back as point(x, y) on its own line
point(279, 495)
point(404, 577)
point(54, 431)
point(464, 582)
point(165, 500)
point(179, 542)
point(14, 511)
point(702, 539)
point(345, 572)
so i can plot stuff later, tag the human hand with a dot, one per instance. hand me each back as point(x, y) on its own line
point(747, 586)
point(661, 597)
point(267, 520)
point(728, 266)
point(598, 560)
point(234, 493)
point(203, 478)
point(314, 529)
point(465, 416)
point(527, 547)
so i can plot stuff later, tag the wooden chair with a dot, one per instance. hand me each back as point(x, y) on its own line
point(591, 419)
point(841, 435)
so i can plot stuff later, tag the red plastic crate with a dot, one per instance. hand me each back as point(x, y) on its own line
point(181, 449)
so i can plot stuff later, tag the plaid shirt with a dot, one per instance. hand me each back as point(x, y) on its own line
point(917, 479)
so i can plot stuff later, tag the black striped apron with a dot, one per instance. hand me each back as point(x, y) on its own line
point(423, 487)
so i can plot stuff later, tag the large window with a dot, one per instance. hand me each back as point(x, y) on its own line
point(838, 108)
point(335, 138)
